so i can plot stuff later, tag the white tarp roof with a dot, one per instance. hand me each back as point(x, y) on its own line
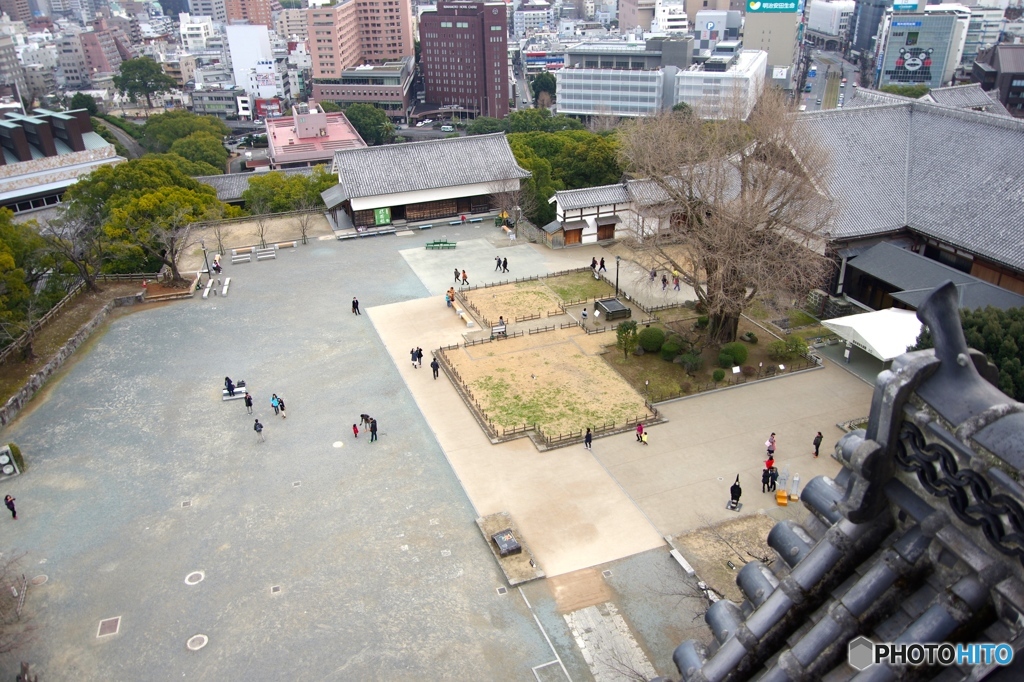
point(883, 333)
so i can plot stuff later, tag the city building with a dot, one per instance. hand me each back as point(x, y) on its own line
point(985, 31)
point(694, 6)
point(249, 46)
point(71, 61)
point(775, 27)
point(532, 16)
point(215, 9)
point(386, 186)
point(727, 85)
point(308, 137)
point(251, 11)
point(386, 86)
point(19, 10)
point(43, 154)
point(917, 49)
point(180, 67)
point(222, 103)
point(195, 31)
point(465, 57)
point(291, 24)
point(1000, 71)
point(969, 96)
point(829, 23)
point(670, 17)
point(619, 78)
point(12, 74)
point(385, 30)
point(333, 39)
point(712, 26)
point(40, 81)
point(635, 14)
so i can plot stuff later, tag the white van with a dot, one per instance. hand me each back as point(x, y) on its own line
point(447, 129)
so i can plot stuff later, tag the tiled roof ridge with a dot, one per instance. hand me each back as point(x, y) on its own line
point(438, 141)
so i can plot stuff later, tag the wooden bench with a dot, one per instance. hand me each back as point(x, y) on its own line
point(441, 244)
point(498, 330)
point(287, 245)
point(467, 319)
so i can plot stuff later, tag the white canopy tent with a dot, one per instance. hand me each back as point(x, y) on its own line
point(886, 334)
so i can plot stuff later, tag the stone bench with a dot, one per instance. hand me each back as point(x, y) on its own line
point(266, 254)
point(239, 393)
point(241, 258)
point(426, 227)
point(454, 222)
point(467, 319)
point(224, 290)
point(476, 220)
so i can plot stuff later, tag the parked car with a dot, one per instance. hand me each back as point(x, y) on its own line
point(424, 122)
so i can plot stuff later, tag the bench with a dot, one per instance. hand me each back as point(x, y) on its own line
point(441, 244)
point(239, 393)
point(287, 245)
point(241, 258)
point(224, 291)
point(476, 220)
point(467, 319)
point(498, 330)
point(454, 222)
point(266, 254)
point(206, 291)
point(426, 227)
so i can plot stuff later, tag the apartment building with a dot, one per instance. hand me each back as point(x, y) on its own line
point(252, 11)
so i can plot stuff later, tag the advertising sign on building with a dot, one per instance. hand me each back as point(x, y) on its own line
point(905, 7)
point(778, 6)
point(382, 216)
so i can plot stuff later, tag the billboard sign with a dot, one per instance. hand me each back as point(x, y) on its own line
point(382, 216)
point(905, 7)
point(776, 6)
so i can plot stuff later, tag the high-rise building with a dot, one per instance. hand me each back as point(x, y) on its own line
point(869, 15)
point(774, 27)
point(215, 9)
point(252, 11)
point(195, 31)
point(291, 23)
point(249, 46)
point(11, 72)
point(829, 23)
point(531, 16)
point(916, 49)
point(385, 30)
point(19, 10)
point(333, 36)
point(465, 56)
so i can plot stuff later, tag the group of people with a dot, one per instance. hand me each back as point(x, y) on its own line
point(464, 276)
point(417, 357)
point(770, 474)
point(641, 434)
point(500, 264)
point(370, 423)
point(276, 402)
point(597, 267)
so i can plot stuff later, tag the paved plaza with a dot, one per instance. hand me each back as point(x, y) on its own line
point(139, 475)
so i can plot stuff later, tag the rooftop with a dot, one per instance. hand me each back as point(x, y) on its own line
point(285, 143)
point(230, 187)
point(969, 96)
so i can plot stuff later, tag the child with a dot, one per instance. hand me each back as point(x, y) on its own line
point(355, 431)
point(643, 438)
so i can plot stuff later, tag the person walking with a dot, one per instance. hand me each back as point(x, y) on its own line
point(664, 282)
point(9, 502)
point(602, 268)
point(456, 275)
point(229, 386)
point(373, 430)
point(639, 432)
point(504, 265)
point(593, 263)
point(817, 443)
point(355, 431)
point(497, 263)
point(654, 274)
point(355, 306)
point(419, 356)
point(465, 278)
point(770, 444)
point(258, 428)
point(434, 366)
point(412, 355)
point(769, 463)
point(583, 317)
point(643, 438)
point(675, 282)
point(766, 480)
point(588, 439)
point(248, 402)
point(773, 478)
point(280, 406)
point(364, 419)
point(274, 404)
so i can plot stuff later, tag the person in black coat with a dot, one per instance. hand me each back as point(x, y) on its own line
point(766, 480)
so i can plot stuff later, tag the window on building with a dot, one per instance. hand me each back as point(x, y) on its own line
point(912, 37)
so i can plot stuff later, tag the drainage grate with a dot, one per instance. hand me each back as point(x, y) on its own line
point(197, 642)
point(275, 589)
point(606, 574)
point(186, 503)
point(296, 484)
point(109, 626)
point(40, 580)
point(194, 578)
point(502, 590)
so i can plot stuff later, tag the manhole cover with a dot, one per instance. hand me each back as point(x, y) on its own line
point(186, 503)
point(606, 574)
point(275, 589)
point(109, 626)
point(197, 642)
point(502, 590)
point(194, 578)
point(40, 580)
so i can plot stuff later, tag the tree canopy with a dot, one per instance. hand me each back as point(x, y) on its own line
point(485, 125)
point(530, 120)
point(372, 124)
point(83, 101)
point(544, 82)
point(740, 207)
point(277, 192)
point(142, 77)
point(202, 147)
point(912, 91)
point(999, 334)
point(329, 107)
point(162, 130)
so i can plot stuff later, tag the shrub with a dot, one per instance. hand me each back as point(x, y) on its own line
point(16, 454)
point(718, 375)
point(651, 339)
point(749, 371)
point(725, 360)
point(786, 349)
point(749, 337)
point(702, 322)
point(692, 362)
point(737, 350)
point(685, 387)
point(777, 350)
point(670, 350)
point(796, 345)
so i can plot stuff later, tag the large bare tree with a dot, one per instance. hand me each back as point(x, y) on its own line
point(741, 211)
point(73, 239)
point(513, 198)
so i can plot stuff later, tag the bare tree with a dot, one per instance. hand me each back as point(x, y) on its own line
point(307, 207)
point(23, 332)
point(512, 198)
point(739, 201)
point(16, 629)
point(71, 238)
point(164, 240)
point(260, 213)
point(217, 227)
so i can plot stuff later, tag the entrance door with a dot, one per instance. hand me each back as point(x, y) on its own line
point(573, 237)
point(605, 232)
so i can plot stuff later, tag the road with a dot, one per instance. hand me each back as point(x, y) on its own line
point(135, 150)
point(825, 91)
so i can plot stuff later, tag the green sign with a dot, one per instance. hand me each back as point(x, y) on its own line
point(763, 6)
point(382, 216)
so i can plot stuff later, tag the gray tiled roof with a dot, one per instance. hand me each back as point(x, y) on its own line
point(969, 96)
point(397, 168)
point(646, 192)
point(230, 187)
point(948, 173)
point(588, 197)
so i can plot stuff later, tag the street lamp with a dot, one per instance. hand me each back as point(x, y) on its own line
point(209, 273)
point(617, 259)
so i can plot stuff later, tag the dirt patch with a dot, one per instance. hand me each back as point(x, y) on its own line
point(57, 332)
point(740, 541)
point(510, 301)
point(547, 380)
point(243, 233)
point(579, 589)
point(579, 285)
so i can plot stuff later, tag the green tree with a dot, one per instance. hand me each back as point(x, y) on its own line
point(540, 186)
point(189, 168)
point(370, 122)
point(999, 334)
point(278, 192)
point(329, 107)
point(162, 130)
point(485, 125)
point(912, 91)
point(142, 76)
point(83, 101)
point(201, 147)
point(540, 120)
point(683, 108)
point(544, 82)
point(626, 338)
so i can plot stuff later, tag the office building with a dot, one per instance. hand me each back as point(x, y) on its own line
point(11, 72)
point(1000, 71)
point(19, 10)
point(869, 15)
point(333, 36)
point(670, 17)
point(635, 14)
point(385, 30)
point(829, 23)
point(222, 103)
point(249, 45)
point(291, 24)
point(251, 11)
point(465, 56)
point(985, 30)
point(532, 16)
point(195, 31)
point(713, 26)
point(917, 49)
point(385, 86)
point(215, 9)
point(727, 85)
point(775, 28)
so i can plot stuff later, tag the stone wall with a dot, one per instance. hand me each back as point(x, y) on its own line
point(13, 406)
